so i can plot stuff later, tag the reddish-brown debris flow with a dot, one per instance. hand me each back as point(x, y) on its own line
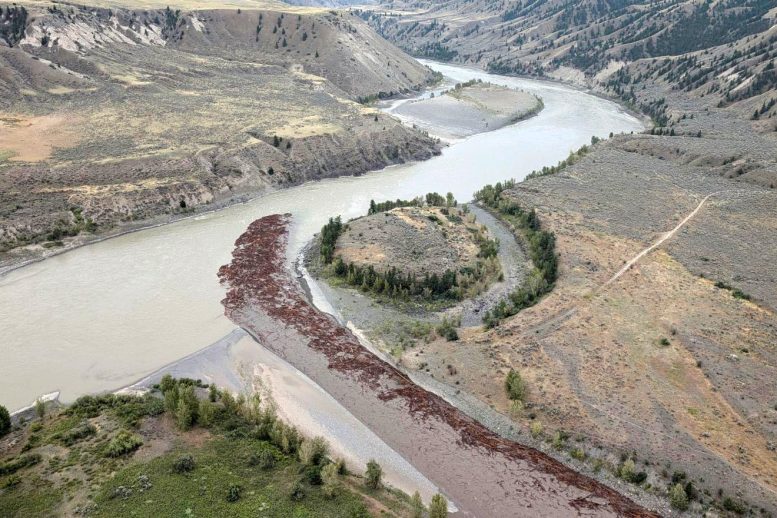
point(483, 473)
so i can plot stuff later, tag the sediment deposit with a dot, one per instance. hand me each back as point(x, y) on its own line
point(484, 474)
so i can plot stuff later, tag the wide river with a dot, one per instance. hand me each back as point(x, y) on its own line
point(102, 316)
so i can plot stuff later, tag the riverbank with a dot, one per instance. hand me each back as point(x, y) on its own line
point(239, 364)
point(439, 440)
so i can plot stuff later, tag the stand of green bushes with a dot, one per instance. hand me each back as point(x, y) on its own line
point(541, 247)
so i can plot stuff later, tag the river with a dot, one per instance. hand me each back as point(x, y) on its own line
point(105, 315)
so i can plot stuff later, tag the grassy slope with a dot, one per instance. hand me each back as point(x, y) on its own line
point(80, 478)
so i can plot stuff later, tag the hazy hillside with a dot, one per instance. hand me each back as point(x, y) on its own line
point(655, 56)
point(117, 115)
point(330, 3)
point(599, 42)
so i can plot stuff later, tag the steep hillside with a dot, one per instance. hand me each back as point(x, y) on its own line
point(114, 116)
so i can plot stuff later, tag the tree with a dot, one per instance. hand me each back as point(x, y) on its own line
point(312, 452)
point(166, 383)
point(5, 421)
point(438, 507)
point(188, 405)
point(515, 386)
point(417, 505)
point(40, 408)
point(373, 474)
point(330, 480)
point(678, 497)
point(206, 413)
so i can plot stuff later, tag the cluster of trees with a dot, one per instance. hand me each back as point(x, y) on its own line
point(13, 23)
point(329, 234)
point(573, 157)
point(5, 421)
point(542, 251)
point(388, 205)
point(431, 199)
point(450, 285)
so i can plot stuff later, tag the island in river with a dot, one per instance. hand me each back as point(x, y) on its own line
point(469, 108)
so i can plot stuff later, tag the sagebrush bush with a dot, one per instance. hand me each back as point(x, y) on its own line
point(678, 498)
point(123, 443)
point(184, 464)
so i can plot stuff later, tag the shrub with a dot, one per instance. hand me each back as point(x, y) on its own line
point(515, 386)
point(678, 498)
point(171, 400)
point(417, 505)
point(330, 480)
point(373, 474)
point(447, 330)
point(735, 506)
point(266, 459)
point(213, 393)
point(626, 470)
point(578, 453)
point(558, 440)
point(122, 444)
point(75, 434)
point(186, 411)
point(40, 408)
point(233, 493)
point(183, 464)
point(312, 474)
point(5, 421)
point(438, 507)
point(206, 413)
point(536, 429)
point(14, 465)
point(297, 492)
point(313, 451)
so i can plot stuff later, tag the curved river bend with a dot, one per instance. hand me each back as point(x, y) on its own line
point(102, 316)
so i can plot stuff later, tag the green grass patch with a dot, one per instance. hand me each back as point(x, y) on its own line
point(221, 464)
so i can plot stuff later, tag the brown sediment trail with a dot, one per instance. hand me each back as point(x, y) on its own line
point(485, 474)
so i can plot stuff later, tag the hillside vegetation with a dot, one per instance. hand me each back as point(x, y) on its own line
point(184, 449)
point(121, 115)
